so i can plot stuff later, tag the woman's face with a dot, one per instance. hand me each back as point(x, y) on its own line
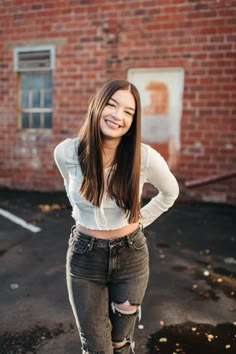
point(117, 115)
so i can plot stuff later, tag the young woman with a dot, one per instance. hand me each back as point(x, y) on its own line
point(104, 170)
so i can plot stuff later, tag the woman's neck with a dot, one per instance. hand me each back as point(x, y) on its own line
point(108, 152)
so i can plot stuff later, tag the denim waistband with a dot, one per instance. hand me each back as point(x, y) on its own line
point(110, 241)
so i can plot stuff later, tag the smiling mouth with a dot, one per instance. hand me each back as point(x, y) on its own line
point(112, 124)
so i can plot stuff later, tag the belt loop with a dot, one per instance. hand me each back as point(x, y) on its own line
point(91, 242)
point(129, 241)
point(72, 230)
point(141, 226)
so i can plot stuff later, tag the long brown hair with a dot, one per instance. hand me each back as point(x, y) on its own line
point(123, 179)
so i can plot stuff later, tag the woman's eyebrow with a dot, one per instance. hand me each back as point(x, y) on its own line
point(118, 103)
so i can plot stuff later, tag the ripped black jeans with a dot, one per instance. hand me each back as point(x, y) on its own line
point(101, 275)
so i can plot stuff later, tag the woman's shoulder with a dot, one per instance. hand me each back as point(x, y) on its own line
point(69, 143)
point(149, 155)
point(144, 155)
point(67, 149)
point(147, 150)
point(144, 149)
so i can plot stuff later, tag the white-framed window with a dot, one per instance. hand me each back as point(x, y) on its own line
point(34, 67)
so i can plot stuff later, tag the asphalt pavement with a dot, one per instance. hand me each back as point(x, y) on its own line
point(189, 306)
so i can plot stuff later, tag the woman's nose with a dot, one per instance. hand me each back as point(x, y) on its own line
point(117, 113)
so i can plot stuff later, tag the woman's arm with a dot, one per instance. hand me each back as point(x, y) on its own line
point(158, 174)
point(59, 157)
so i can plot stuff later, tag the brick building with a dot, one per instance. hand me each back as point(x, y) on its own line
point(54, 54)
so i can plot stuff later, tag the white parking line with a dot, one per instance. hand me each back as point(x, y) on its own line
point(19, 221)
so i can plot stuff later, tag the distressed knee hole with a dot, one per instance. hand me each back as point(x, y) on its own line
point(119, 344)
point(126, 308)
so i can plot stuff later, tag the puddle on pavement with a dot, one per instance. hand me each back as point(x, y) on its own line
point(162, 245)
point(27, 341)
point(194, 338)
point(219, 279)
point(207, 294)
point(2, 252)
point(179, 267)
point(226, 272)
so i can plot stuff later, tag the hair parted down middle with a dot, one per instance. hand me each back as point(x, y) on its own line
point(124, 175)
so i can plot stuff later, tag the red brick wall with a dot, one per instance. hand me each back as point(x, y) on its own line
point(100, 40)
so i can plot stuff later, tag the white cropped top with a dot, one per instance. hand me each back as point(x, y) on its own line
point(109, 216)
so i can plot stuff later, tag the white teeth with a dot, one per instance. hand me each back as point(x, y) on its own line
point(112, 124)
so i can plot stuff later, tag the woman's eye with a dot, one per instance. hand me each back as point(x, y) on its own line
point(129, 113)
point(110, 104)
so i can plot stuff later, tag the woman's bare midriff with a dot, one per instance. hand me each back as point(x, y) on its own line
point(107, 234)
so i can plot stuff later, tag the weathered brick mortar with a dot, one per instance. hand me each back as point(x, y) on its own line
point(100, 40)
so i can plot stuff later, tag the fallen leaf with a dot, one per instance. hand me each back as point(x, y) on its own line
point(48, 207)
point(210, 337)
point(220, 280)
